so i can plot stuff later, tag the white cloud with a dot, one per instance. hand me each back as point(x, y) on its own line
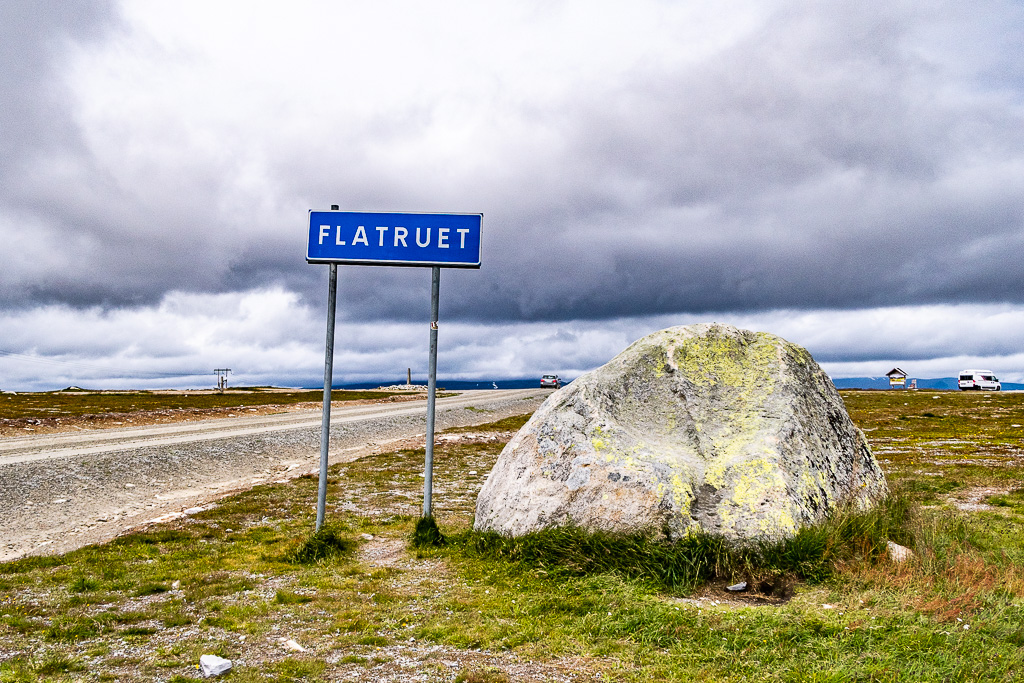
point(263, 332)
point(269, 336)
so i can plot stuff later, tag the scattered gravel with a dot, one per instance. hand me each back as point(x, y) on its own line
point(56, 505)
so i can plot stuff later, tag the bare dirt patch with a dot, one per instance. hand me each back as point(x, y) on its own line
point(973, 499)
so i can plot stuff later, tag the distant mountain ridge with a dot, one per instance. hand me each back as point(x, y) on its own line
point(947, 383)
point(457, 385)
point(941, 383)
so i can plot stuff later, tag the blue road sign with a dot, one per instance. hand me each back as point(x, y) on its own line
point(449, 240)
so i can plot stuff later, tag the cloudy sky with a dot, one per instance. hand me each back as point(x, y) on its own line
point(847, 175)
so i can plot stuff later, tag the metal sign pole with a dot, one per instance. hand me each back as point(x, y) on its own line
point(428, 469)
point(325, 427)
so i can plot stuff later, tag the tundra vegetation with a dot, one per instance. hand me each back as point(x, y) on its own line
point(74, 408)
point(78, 403)
point(364, 602)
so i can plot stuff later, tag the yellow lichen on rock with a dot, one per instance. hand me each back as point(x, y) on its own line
point(721, 359)
point(682, 493)
point(756, 481)
point(659, 366)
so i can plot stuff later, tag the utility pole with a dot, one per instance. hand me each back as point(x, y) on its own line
point(222, 378)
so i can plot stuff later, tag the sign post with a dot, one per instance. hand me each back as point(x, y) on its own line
point(428, 465)
point(325, 424)
point(446, 240)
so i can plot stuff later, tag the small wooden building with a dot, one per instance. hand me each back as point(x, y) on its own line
point(897, 378)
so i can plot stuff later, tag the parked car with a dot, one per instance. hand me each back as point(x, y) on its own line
point(979, 380)
point(550, 381)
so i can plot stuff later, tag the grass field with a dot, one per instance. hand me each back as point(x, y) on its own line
point(38, 405)
point(234, 581)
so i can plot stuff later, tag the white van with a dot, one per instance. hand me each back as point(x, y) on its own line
point(980, 380)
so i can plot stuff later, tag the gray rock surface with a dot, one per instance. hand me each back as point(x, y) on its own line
point(705, 427)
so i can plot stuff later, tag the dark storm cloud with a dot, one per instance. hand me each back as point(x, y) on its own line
point(75, 233)
point(50, 194)
point(840, 156)
point(802, 170)
point(33, 37)
point(824, 162)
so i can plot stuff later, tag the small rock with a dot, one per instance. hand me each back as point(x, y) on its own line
point(366, 537)
point(737, 587)
point(898, 553)
point(292, 645)
point(193, 511)
point(176, 585)
point(212, 665)
point(129, 486)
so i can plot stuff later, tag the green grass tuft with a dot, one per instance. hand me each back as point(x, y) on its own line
point(83, 584)
point(283, 597)
point(70, 629)
point(151, 588)
point(58, 664)
point(28, 564)
point(1012, 499)
point(428, 534)
point(570, 551)
point(482, 676)
point(508, 424)
point(814, 554)
point(320, 547)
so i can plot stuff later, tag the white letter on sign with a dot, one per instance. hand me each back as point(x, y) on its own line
point(360, 237)
point(400, 235)
point(422, 244)
point(337, 238)
point(381, 229)
point(462, 233)
point(442, 238)
point(324, 229)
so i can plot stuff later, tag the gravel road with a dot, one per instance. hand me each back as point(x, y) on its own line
point(59, 492)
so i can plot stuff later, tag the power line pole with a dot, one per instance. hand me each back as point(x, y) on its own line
point(222, 378)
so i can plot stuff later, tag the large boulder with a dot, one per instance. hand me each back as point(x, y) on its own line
point(705, 427)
